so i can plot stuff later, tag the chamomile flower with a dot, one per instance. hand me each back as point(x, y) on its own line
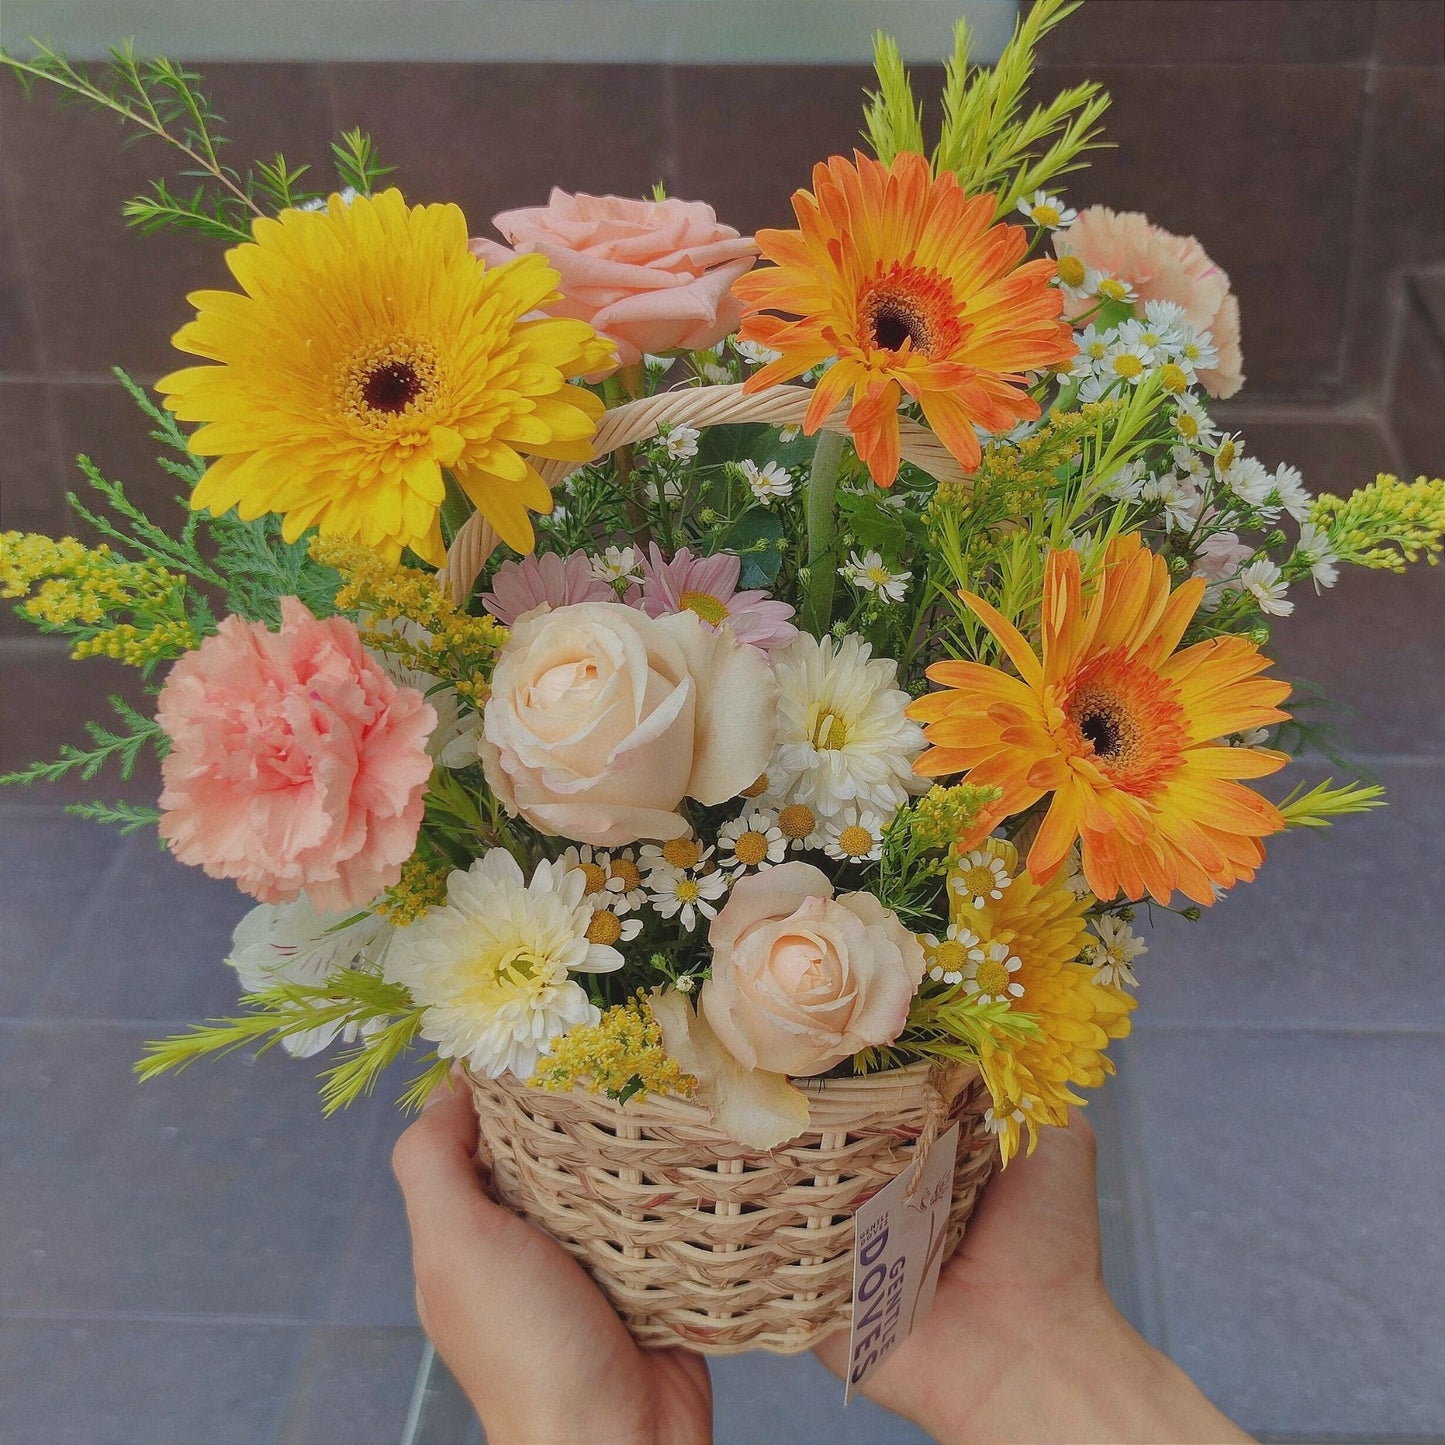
point(1111, 288)
point(1126, 484)
point(980, 877)
point(767, 481)
point(1191, 421)
point(754, 352)
point(609, 927)
point(613, 878)
point(1166, 317)
point(946, 959)
point(800, 827)
point(675, 893)
point(1048, 211)
point(1073, 276)
point(617, 564)
point(1129, 361)
point(751, 841)
point(868, 574)
point(680, 442)
point(1196, 349)
point(1006, 1116)
point(855, 835)
point(1140, 338)
point(991, 979)
point(1114, 951)
point(788, 434)
point(1314, 551)
point(1190, 465)
point(1262, 579)
point(1093, 348)
point(679, 854)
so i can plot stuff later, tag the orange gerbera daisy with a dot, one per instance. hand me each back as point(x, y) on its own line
point(1121, 729)
point(906, 282)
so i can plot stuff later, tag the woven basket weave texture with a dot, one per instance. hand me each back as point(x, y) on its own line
point(701, 1242)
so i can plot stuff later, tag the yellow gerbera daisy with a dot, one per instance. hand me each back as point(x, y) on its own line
point(909, 285)
point(1125, 732)
point(1039, 929)
point(368, 351)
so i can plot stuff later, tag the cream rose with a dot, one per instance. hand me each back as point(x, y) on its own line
point(601, 720)
point(800, 979)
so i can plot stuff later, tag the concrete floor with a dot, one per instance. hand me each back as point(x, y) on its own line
point(205, 1259)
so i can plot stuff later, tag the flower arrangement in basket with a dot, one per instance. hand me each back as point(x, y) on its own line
point(730, 695)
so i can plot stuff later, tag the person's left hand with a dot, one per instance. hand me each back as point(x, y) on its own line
point(539, 1351)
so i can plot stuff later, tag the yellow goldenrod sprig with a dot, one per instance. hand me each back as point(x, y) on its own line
point(943, 815)
point(454, 645)
point(109, 606)
point(1386, 524)
point(421, 887)
point(622, 1055)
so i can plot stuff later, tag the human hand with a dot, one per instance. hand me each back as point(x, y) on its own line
point(1023, 1341)
point(542, 1356)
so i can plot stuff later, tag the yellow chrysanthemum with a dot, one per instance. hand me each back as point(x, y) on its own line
point(911, 289)
point(1040, 928)
point(1121, 729)
point(369, 350)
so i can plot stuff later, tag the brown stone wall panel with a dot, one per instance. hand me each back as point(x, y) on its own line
point(104, 295)
point(1260, 165)
point(1417, 402)
point(19, 354)
point(495, 137)
point(1410, 32)
point(1403, 208)
point(1213, 32)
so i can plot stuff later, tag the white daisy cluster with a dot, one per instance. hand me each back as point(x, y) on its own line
point(1113, 950)
point(869, 574)
point(1121, 356)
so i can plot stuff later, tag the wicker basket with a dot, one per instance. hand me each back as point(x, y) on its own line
point(697, 406)
point(696, 1239)
point(701, 1242)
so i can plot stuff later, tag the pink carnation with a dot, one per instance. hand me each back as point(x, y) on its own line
point(1161, 267)
point(296, 762)
point(708, 586)
point(546, 580)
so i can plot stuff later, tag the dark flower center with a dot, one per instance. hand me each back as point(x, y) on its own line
point(892, 326)
point(391, 387)
point(1103, 731)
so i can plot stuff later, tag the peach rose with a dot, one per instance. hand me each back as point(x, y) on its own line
point(1161, 267)
point(602, 719)
point(652, 276)
point(800, 979)
point(295, 763)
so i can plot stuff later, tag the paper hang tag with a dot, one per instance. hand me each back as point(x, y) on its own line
point(897, 1253)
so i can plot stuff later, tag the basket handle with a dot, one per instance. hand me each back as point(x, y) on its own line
point(698, 406)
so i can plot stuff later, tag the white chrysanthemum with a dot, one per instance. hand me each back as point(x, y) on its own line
point(752, 841)
point(492, 968)
point(767, 481)
point(1114, 953)
point(868, 574)
point(842, 733)
point(1264, 581)
point(855, 835)
point(295, 943)
point(617, 564)
point(1315, 552)
point(680, 442)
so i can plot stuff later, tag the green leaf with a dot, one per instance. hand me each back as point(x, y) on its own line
point(755, 537)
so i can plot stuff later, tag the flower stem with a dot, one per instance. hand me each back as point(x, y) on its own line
point(822, 493)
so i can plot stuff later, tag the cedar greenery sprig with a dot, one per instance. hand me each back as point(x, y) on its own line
point(161, 99)
point(983, 140)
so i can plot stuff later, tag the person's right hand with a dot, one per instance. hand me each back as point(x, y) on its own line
point(1023, 1342)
